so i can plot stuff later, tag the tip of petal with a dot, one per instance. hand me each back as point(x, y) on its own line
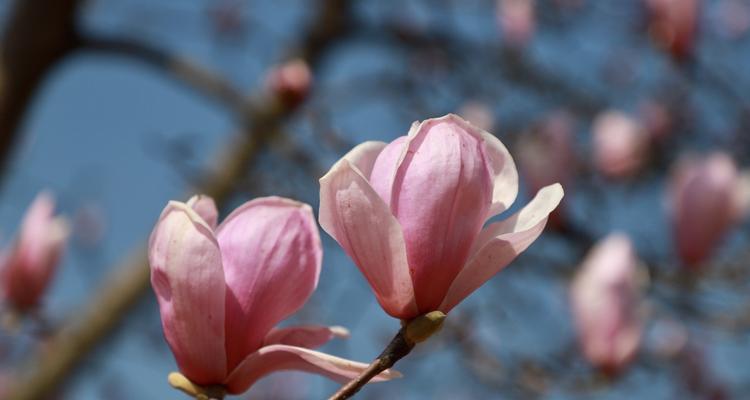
point(553, 192)
point(390, 374)
point(339, 332)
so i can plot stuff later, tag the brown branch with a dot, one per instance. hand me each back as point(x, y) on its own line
point(38, 34)
point(51, 365)
point(415, 331)
point(185, 71)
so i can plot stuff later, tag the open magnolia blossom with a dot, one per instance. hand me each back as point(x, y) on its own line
point(30, 263)
point(604, 297)
point(221, 291)
point(411, 213)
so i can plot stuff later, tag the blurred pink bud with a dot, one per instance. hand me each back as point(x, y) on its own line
point(290, 81)
point(517, 21)
point(547, 155)
point(478, 114)
point(604, 297)
point(705, 199)
point(29, 265)
point(673, 25)
point(733, 17)
point(222, 290)
point(620, 144)
point(410, 214)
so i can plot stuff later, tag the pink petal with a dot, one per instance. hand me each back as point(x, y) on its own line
point(30, 265)
point(500, 243)
point(440, 192)
point(186, 274)
point(502, 167)
point(279, 357)
point(363, 156)
point(353, 214)
point(272, 256)
point(205, 207)
point(309, 336)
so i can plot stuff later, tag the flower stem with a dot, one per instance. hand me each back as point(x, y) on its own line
point(411, 333)
point(180, 382)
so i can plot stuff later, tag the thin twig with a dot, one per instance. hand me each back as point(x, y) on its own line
point(415, 331)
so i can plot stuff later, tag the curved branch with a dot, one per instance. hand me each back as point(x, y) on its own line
point(38, 34)
point(192, 75)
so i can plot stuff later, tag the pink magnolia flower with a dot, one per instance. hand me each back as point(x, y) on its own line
point(221, 291)
point(620, 144)
point(410, 213)
point(705, 202)
point(674, 25)
point(604, 297)
point(30, 263)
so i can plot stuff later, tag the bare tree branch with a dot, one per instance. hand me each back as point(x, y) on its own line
point(38, 34)
point(47, 369)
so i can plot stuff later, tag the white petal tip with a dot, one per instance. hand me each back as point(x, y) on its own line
point(339, 332)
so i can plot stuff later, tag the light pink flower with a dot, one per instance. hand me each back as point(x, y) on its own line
point(29, 265)
point(411, 214)
point(674, 25)
point(705, 200)
point(604, 297)
point(620, 144)
point(221, 291)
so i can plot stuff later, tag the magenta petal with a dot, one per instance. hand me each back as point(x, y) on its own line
point(500, 243)
point(205, 207)
point(308, 336)
point(186, 274)
point(272, 256)
point(279, 357)
point(363, 225)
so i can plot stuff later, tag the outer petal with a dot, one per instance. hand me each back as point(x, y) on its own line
point(281, 357)
point(271, 253)
point(205, 207)
point(501, 242)
point(505, 175)
point(363, 156)
point(308, 336)
point(363, 225)
point(186, 274)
